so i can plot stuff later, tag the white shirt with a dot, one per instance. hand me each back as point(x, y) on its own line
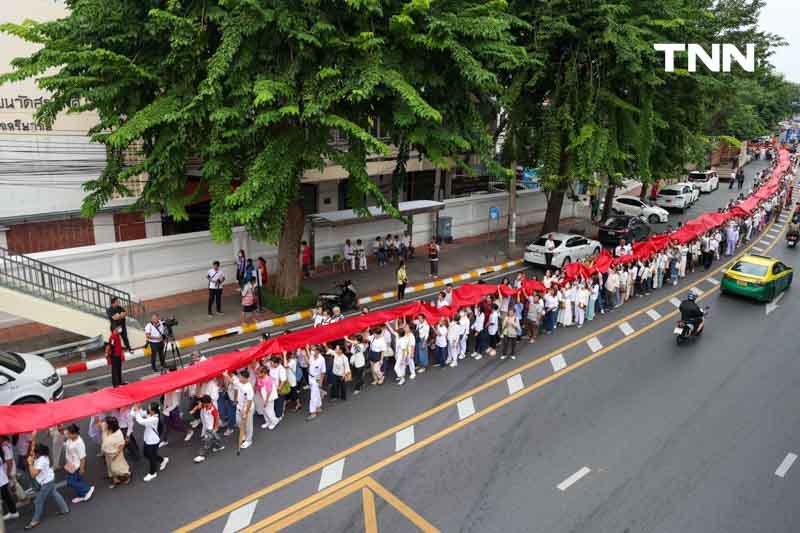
point(448, 297)
point(441, 302)
point(316, 367)
point(8, 455)
point(348, 251)
point(377, 343)
point(423, 331)
point(153, 332)
point(207, 418)
point(480, 318)
point(245, 395)
point(405, 346)
point(74, 451)
point(150, 424)
point(494, 321)
point(340, 365)
point(291, 370)
point(278, 374)
point(549, 246)
point(441, 336)
point(3, 474)
point(550, 302)
point(357, 358)
point(215, 279)
point(172, 401)
point(464, 323)
point(45, 475)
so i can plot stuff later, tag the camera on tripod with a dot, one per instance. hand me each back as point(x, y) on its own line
point(170, 323)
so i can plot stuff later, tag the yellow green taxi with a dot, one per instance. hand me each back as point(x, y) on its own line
point(756, 276)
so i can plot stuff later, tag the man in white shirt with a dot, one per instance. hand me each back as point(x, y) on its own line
point(421, 346)
point(349, 254)
point(477, 328)
point(549, 249)
point(75, 465)
point(244, 405)
point(278, 374)
point(154, 333)
point(463, 321)
point(216, 280)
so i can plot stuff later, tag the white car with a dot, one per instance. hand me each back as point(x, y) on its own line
point(678, 196)
point(630, 205)
point(705, 180)
point(26, 378)
point(695, 190)
point(569, 248)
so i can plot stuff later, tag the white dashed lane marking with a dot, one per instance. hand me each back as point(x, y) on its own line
point(675, 302)
point(757, 249)
point(786, 464)
point(574, 478)
point(713, 281)
point(466, 408)
point(240, 518)
point(697, 291)
point(625, 328)
point(331, 474)
point(652, 313)
point(404, 438)
point(514, 383)
point(558, 362)
point(594, 344)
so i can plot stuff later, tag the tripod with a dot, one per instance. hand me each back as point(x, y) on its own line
point(172, 349)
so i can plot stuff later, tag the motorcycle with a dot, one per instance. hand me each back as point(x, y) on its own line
point(345, 299)
point(791, 239)
point(686, 331)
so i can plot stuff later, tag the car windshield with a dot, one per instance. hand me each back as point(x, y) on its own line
point(541, 241)
point(698, 176)
point(669, 192)
point(12, 362)
point(750, 269)
point(616, 223)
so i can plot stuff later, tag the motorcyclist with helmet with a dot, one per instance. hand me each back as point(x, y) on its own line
point(691, 312)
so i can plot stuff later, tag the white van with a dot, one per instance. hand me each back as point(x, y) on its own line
point(26, 378)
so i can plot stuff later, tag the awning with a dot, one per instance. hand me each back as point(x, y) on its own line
point(348, 216)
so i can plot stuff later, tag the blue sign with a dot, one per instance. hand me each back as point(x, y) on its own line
point(494, 213)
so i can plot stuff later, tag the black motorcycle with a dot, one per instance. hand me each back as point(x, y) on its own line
point(791, 239)
point(686, 330)
point(345, 299)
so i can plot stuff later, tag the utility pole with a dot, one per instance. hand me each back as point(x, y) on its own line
point(512, 211)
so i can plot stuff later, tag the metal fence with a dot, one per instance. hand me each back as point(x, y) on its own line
point(42, 280)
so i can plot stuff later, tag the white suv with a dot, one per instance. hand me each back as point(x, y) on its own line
point(678, 196)
point(705, 180)
point(26, 378)
point(630, 205)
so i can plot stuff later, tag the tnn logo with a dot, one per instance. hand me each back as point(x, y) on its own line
point(727, 53)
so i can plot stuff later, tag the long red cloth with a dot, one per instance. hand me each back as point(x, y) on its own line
point(23, 418)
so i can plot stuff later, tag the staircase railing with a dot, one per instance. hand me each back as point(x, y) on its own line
point(40, 279)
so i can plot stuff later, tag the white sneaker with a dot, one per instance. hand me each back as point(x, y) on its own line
point(514, 357)
point(246, 444)
point(264, 425)
point(194, 423)
point(199, 458)
point(10, 516)
point(502, 357)
point(163, 464)
point(188, 436)
point(412, 376)
point(402, 381)
point(227, 433)
point(162, 443)
point(150, 477)
point(272, 426)
point(462, 356)
point(478, 357)
point(453, 364)
point(89, 494)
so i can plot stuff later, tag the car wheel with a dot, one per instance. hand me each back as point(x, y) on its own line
point(653, 219)
point(29, 400)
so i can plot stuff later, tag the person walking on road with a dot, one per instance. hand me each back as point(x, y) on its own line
point(244, 405)
point(216, 280)
point(114, 353)
point(316, 380)
point(511, 330)
point(433, 257)
point(209, 417)
point(402, 280)
point(75, 465)
point(117, 317)
point(40, 469)
point(149, 420)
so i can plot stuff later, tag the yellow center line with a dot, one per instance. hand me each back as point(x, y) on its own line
point(427, 414)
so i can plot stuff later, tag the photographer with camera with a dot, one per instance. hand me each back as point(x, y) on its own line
point(154, 333)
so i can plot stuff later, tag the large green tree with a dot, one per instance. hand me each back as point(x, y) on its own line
point(257, 88)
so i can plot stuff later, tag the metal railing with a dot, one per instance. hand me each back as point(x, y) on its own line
point(37, 278)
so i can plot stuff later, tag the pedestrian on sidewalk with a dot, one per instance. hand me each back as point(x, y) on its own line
point(249, 301)
point(391, 247)
point(305, 259)
point(402, 280)
point(216, 280)
point(114, 355)
point(433, 257)
point(149, 421)
point(361, 255)
point(405, 246)
point(117, 317)
point(75, 465)
point(349, 255)
point(241, 266)
point(154, 333)
point(379, 249)
point(209, 417)
point(40, 469)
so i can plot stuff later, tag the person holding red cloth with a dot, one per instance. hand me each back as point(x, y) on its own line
point(114, 354)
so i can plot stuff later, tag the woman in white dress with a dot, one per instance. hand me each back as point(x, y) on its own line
point(564, 306)
point(316, 380)
point(581, 303)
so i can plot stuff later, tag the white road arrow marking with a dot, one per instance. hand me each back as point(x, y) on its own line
point(773, 305)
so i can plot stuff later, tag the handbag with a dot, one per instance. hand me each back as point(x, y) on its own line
point(285, 389)
point(348, 377)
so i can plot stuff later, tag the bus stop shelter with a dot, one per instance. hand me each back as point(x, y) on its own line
point(346, 217)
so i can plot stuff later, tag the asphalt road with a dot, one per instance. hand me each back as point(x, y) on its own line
point(641, 436)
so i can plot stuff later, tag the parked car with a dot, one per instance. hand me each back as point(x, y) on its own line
point(678, 196)
point(27, 378)
point(630, 205)
point(621, 227)
point(758, 277)
point(569, 248)
point(705, 180)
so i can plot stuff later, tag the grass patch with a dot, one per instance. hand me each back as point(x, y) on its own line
point(305, 300)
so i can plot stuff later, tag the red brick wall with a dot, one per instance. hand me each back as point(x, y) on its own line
point(30, 237)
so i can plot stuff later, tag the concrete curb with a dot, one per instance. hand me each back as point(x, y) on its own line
point(188, 342)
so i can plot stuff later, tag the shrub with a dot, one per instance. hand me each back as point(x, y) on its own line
point(305, 300)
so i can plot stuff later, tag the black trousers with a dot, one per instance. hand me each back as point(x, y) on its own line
point(154, 460)
point(116, 371)
point(215, 296)
point(8, 499)
point(124, 336)
point(401, 291)
point(156, 348)
point(548, 258)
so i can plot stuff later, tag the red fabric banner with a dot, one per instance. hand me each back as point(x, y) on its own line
point(23, 418)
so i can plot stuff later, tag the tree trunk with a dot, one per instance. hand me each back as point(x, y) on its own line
point(643, 194)
point(287, 278)
point(607, 202)
point(556, 200)
point(511, 244)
